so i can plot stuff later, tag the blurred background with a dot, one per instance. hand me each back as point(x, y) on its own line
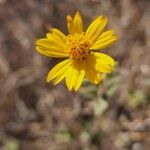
point(35, 115)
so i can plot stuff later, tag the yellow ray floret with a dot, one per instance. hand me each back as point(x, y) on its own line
point(78, 47)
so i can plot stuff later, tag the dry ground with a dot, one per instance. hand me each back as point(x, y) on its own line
point(34, 115)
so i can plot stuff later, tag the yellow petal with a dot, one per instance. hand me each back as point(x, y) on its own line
point(50, 52)
point(102, 67)
point(91, 73)
point(106, 34)
point(58, 34)
point(94, 78)
point(92, 26)
point(105, 58)
point(71, 76)
point(80, 76)
point(75, 75)
point(96, 28)
point(79, 80)
point(59, 69)
point(59, 78)
point(70, 23)
point(51, 42)
point(78, 24)
point(104, 40)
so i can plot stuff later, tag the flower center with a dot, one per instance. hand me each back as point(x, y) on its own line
point(78, 46)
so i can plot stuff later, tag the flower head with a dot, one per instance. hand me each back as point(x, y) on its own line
point(79, 48)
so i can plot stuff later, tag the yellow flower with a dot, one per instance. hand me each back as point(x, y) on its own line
point(79, 48)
